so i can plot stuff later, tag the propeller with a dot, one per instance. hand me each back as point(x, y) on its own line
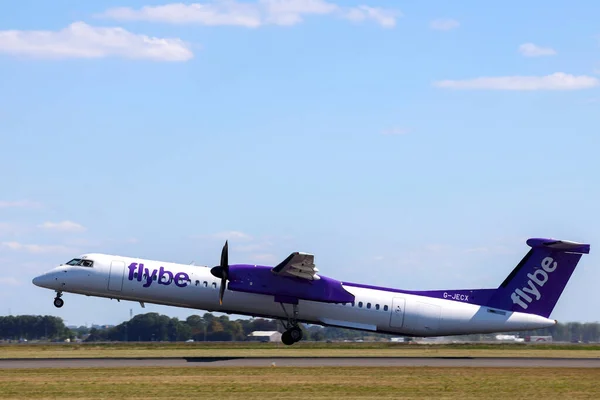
point(222, 271)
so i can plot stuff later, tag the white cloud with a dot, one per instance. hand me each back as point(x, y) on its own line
point(532, 50)
point(20, 203)
point(80, 40)
point(38, 248)
point(219, 13)
point(556, 81)
point(249, 15)
point(63, 226)
point(385, 18)
point(396, 131)
point(444, 24)
point(290, 12)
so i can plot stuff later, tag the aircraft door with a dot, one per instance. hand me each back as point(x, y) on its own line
point(397, 317)
point(115, 279)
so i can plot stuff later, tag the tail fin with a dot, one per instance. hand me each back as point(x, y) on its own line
point(537, 282)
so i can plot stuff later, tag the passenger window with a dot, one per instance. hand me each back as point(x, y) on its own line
point(368, 305)
point(360, 304)
point(197, 283)
point(135, 274)
point(214, 285)
point(385, 308)
point(205, 284)
point(377, 306)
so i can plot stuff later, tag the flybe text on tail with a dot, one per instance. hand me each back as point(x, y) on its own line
point(524, 296)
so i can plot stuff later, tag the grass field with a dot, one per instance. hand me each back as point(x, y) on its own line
point(302, 349)
point(300, 383)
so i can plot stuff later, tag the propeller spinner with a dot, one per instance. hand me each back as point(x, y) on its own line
point(222, 271)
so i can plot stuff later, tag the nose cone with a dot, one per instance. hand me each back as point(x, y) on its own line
point(44, 280)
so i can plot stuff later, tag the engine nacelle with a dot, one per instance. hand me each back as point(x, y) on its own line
point(259, 279)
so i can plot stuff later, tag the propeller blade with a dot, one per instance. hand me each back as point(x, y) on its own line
point(222, 291)
point(222, 271)
point(225, 256)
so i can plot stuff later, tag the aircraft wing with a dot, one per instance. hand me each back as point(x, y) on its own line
point(298, 265)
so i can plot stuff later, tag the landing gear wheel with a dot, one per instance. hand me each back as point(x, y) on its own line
point(292, 333)
point(286, 338)
point(295, 334)
point(58, 302)
point(291, 336)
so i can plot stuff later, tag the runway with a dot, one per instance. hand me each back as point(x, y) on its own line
point(453, 362)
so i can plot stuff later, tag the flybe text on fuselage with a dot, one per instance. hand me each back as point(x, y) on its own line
point(161, 276)
point(538, 279)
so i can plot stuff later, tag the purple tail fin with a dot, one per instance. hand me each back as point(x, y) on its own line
point(537, 282)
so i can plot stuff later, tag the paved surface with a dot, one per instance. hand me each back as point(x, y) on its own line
point(302, 362)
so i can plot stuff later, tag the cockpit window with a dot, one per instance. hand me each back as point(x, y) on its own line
point(80, 262)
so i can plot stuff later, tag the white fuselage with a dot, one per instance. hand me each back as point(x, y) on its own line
point(374, 309)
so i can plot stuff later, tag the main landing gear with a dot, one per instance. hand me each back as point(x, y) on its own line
point(58, 302)
point(293, 332)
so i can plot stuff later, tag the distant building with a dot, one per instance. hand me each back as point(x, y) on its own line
point(508, 338)
point(265, 336)
point(538, 338)
point(101, 327)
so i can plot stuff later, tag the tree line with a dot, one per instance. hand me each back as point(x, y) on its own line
point(208, 327)
point(32, 327)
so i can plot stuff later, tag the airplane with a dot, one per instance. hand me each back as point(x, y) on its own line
point(294, 292)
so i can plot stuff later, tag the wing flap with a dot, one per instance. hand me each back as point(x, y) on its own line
point(298, 265)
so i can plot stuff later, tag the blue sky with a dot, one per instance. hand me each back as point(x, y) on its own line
point(404, 144)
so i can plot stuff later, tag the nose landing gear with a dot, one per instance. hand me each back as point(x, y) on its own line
point(58, 302)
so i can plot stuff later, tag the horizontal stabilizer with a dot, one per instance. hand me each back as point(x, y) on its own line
point(564, 245)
